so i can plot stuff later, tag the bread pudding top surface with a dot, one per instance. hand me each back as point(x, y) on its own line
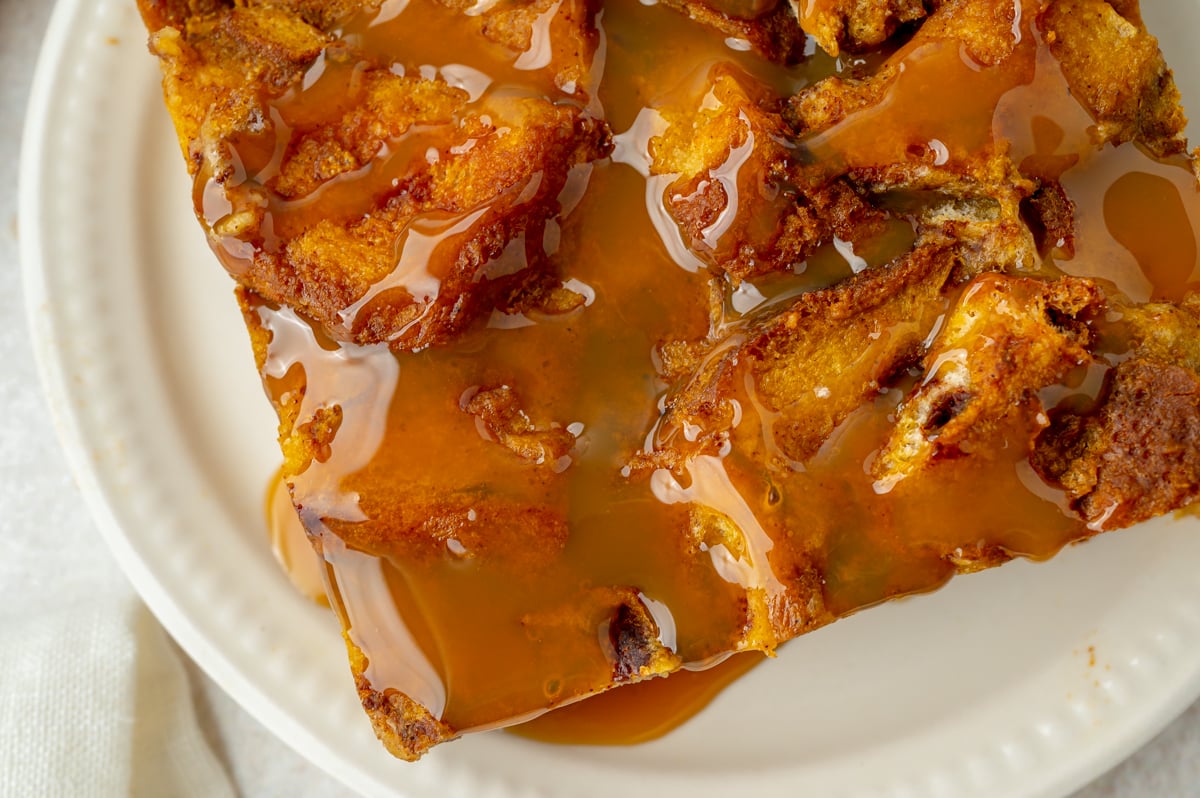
point(608, 340)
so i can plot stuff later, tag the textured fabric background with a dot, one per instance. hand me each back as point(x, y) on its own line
point(94, 699)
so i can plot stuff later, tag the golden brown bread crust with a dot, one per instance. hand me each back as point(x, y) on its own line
point(406, 729)
point(491, 169)
point(761, 214)
point(980, 27)
point(323, 14)
point(810, 363)
point(1115, 67)
point(1006, 338)
point(976, 203)
point(791, 199)
point(499, 414)
point(1166, 332)
point(984, 28)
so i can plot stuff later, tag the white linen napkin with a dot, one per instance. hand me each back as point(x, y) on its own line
point(94, 701)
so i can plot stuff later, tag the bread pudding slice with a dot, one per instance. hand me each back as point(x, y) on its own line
point(593, 366)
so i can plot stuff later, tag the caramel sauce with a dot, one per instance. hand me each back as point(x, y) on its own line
point(939, 100)
point(501, 609)
point(289, 544)
point(640, 712)
point(1135, 215)
point(1142, 215)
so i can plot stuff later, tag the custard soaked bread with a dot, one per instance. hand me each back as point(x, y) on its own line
point(609, 340)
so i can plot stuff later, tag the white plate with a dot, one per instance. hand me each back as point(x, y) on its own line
point(1023, 681)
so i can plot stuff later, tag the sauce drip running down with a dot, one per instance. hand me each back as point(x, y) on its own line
point(290, 545)
point(490, 584)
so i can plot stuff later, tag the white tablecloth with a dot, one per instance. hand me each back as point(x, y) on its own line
point(94, 698)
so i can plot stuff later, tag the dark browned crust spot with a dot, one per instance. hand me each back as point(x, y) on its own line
point(406, 729)
point(634, 637)
point(1137, 456)
point(628, 633)
point(1050, 214)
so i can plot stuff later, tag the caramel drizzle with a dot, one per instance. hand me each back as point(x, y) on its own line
point(594, 368)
